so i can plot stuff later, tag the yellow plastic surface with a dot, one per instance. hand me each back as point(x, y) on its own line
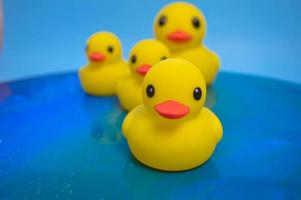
point(100, 78)
point(172, 144)
point(147, 52)
point(179, 16)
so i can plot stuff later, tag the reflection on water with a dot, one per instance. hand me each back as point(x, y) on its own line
point(103, 120)
point(143, 181)
point(104, 128)
point(211, 97)
point(5, 91)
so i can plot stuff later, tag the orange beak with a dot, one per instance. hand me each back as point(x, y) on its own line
point(97, 57)
point(172, 109)
point(143, 69)
point(179, 36)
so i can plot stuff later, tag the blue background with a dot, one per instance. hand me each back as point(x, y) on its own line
point(258, 37)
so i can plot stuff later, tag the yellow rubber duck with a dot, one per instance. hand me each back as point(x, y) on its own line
point(172, 130)
point(143, 55)
point(106, 66)
point(181, 27)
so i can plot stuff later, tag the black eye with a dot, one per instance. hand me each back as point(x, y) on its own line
point(162, 20)
point(110, 49)
point(87, 48)
point(197, 93)
point(163, 58)
point(196, 22)
point(133, 59)
point(150, 91)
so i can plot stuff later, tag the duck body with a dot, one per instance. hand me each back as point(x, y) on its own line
point(102, 80)
point(202, 57)
point(128, 91)
point(172, 146)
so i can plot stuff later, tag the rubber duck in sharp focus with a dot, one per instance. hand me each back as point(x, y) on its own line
point(106, 66)
point(172, 130)
point(182, 27)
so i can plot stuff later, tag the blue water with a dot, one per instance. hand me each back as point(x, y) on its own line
point(58, 143)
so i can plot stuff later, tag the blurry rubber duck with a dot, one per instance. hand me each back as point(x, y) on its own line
point(106, 66)
point(182, 27)
point(143, 56)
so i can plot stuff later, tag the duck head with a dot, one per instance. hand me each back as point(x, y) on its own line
point(180, 25)
point(144, 55)
point(103, 48)
point(173, 90)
